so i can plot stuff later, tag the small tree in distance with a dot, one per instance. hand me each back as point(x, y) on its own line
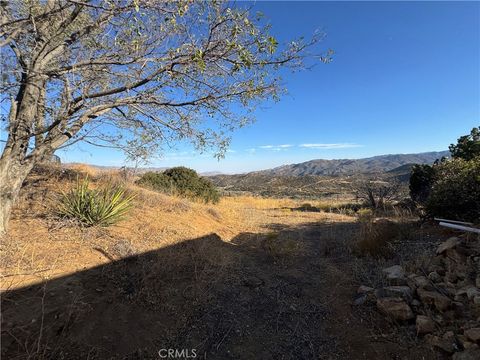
point(376, 193)
point(132, 74)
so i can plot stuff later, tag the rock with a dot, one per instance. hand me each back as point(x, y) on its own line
point(472, 292)
point(252, 282)
point(466, 344)
point(399, 291)
point(447, 288)
point(395, 269)
point(380, 293)
point(395, 275)
point(450, 315)
point(477, 281)
point(437, 261)
point(397, 308)
point(447, 344)
point(461, 275)
point(360, 299)
point(463, 284)
point(458, 256)
point(458, 304)
point(468, 354)
point(451, 277)
point(438, 319)
point(424, 325)
point(364, 289)
point(469, 292)
point(434, 277)
point(449, 335)
point(462, 339)
point(460, 310)
point(450, 243)
point(461, 294)
point(473, 334)
point(420, 281)
point(476, 300)
point(415, 303)
point(441, 302)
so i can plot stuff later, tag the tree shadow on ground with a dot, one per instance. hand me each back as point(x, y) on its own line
point(260, 296)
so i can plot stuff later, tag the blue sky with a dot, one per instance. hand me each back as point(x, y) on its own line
point(405, 78)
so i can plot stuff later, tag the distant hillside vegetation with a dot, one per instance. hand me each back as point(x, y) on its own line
point(281, 186)
point(342, 167)
point(402, 173)
point(322, 178)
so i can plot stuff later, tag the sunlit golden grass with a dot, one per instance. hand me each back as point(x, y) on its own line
point(84, 169)
point(41, 246)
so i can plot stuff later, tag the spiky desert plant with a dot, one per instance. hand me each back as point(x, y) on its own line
point(101, 207)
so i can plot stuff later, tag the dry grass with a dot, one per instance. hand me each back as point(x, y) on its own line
point(39, 246)
point(84, 169)
point(375, 238)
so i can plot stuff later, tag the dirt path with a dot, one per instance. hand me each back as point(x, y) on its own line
point(286, 295)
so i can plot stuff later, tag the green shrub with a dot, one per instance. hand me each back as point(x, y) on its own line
point(156, 181)
point(467, 146)
point(421, 180)
point(455, 193)
point(183, 182)
point(101, 207)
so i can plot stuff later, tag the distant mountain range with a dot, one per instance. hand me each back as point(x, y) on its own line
point(323, 178)
point(138, 170)
point(396, 165)
point(345, 167)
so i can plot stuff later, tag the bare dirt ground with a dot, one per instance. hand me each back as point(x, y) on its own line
point(259, 283)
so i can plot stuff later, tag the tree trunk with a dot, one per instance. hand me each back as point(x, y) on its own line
point(15, 164)
point(12, 175)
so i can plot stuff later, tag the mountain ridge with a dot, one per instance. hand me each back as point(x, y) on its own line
point(318, 167)
point(342, 167)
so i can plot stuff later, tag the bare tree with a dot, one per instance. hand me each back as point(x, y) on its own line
point(132, 74)
point(376, 193)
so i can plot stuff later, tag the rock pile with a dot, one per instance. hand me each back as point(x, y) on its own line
point(441, 298)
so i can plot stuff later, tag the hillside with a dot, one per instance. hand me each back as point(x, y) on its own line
point(308, 186)
point(401, 173)
point(322, 178)
point(342, 167)
point(173, 267)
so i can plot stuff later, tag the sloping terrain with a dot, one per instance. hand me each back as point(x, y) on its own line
point(325, 179)
point(312, 187)
point(256, 296)
point(342, 167)
point(247, 278)
point(302, 187)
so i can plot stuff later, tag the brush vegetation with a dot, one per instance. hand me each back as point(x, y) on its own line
point(450, 188)
point(455, 193)
point(183, 182)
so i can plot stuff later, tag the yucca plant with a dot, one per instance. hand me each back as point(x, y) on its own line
point(102, 207)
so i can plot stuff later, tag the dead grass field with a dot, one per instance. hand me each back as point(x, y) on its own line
point(41, 247)
point(246, 278)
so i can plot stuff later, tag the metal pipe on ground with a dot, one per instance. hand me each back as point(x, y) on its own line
point(460, 227)
point(453, 221)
